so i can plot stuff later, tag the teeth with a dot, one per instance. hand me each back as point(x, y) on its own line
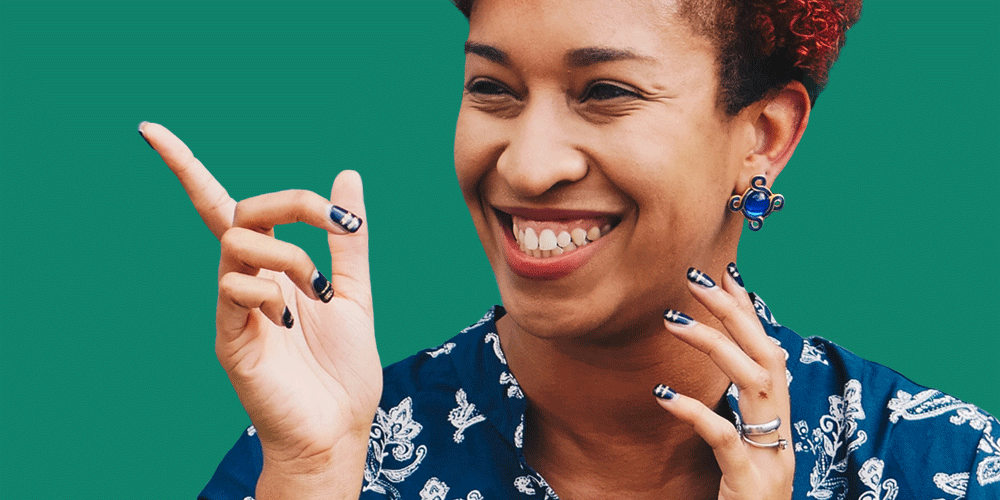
point(563, 239)
point(546, 243)
point(530, 239)
point(547, 240)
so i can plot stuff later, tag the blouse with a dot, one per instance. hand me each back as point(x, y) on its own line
point(450, 425)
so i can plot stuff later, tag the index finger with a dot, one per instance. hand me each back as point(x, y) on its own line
point(210, 199)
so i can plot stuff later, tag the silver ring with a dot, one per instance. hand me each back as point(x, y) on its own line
point(780, 443)
point(759, 429)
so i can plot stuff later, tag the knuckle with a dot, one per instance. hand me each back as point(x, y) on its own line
point(228, 283)
point(229, 240)
point(763, 382)
point(239, 212)
point(729, 437)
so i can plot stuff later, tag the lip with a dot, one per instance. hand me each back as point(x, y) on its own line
point(547, 268)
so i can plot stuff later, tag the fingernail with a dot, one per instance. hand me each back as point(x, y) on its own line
point(287, 318)
point(663, 392)
point(734, 273)
point(699, 278)
point(677, 317)
point(350, 222)
point(144, 135)
point(322, 286)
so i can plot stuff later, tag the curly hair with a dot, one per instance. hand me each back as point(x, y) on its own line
point(764, 44)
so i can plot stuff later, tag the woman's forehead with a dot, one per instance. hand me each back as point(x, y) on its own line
point(578, 31)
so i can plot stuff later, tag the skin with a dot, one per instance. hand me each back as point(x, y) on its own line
point(641, 139)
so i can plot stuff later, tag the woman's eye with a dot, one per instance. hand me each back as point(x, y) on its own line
point(487, 87)
point(606, 91)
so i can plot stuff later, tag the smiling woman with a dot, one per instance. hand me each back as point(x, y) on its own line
point(601, 147)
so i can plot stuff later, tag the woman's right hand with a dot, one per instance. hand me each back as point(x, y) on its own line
point(310, 388)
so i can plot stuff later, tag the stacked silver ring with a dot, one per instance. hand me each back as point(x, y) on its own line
point(764, 429)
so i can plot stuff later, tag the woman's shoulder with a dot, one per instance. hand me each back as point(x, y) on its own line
point(862, 428)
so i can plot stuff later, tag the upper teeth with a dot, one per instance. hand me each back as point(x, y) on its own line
point(546, 242)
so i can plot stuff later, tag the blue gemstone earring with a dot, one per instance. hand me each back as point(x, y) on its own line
point(757, 202)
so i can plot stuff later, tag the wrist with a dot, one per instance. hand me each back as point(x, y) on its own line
point(334, 475)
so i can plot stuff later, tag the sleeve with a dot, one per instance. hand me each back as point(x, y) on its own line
point(984, 477)
point(236, 477)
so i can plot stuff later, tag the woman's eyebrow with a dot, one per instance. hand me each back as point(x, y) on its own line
point(488, 52)
point(588, 56)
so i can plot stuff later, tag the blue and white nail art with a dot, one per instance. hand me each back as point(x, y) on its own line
point(350, 222)
point(697, 277)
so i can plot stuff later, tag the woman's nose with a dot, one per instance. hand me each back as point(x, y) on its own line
point(541, 152)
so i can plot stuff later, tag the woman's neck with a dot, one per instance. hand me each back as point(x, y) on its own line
point(593, 427)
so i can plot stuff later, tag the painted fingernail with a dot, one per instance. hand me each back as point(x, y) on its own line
point(350, 222)
point(734, 273)
point(322, 286)
point(144, 135)
point(287, 319)
point(663, 392)
point(699, 278)
point(677, 317)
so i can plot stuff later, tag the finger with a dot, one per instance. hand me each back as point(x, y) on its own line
point(247, 251)
point(747, 374)
point(733, 283)
point(349, 255)
point(261, 213)
point(741, 322)
point(240, 294)
point(210, 199)
point(730, 452)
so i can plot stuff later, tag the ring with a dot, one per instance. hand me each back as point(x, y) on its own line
point(780, 443)
point(759, 429)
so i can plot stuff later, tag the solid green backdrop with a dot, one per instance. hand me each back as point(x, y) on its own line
point(888, 244)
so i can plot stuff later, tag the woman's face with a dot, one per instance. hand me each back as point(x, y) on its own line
point(583, 114)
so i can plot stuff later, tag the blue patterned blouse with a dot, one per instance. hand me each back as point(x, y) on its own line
point(451, 420)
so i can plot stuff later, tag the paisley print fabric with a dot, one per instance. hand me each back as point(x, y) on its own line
point(450, 426)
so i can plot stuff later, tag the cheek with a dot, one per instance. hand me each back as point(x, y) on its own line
point(475, 149)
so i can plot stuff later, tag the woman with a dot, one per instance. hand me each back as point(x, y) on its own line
point(635, 123)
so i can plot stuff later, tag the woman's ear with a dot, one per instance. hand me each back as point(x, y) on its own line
point(778, 123)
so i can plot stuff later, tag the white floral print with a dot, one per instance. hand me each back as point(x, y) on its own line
point(395, 429)
point(837, 428)
point(436, 489)
point(444, 349)
point(871, 475)
point(463, 416)
point(932, 403)
point(952, 484)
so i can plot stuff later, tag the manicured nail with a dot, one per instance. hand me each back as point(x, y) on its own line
point(322, 286)
point(287, 319)
point(350, 222)
point(734, 273)
point(677, 317)
point(663, 392)
point(699, 278)
point(144, 135)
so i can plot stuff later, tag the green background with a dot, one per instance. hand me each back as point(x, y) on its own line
point(109, 382)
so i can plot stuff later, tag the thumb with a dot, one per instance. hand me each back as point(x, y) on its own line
point(349, 252)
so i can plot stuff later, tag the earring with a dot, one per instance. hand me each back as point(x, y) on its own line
point(757, 202)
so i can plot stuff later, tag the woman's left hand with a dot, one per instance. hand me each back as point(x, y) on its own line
point(757, 366)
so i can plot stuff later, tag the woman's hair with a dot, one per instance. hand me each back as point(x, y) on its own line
point(764, 44)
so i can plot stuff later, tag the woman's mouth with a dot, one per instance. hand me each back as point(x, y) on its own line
point(549, 244)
